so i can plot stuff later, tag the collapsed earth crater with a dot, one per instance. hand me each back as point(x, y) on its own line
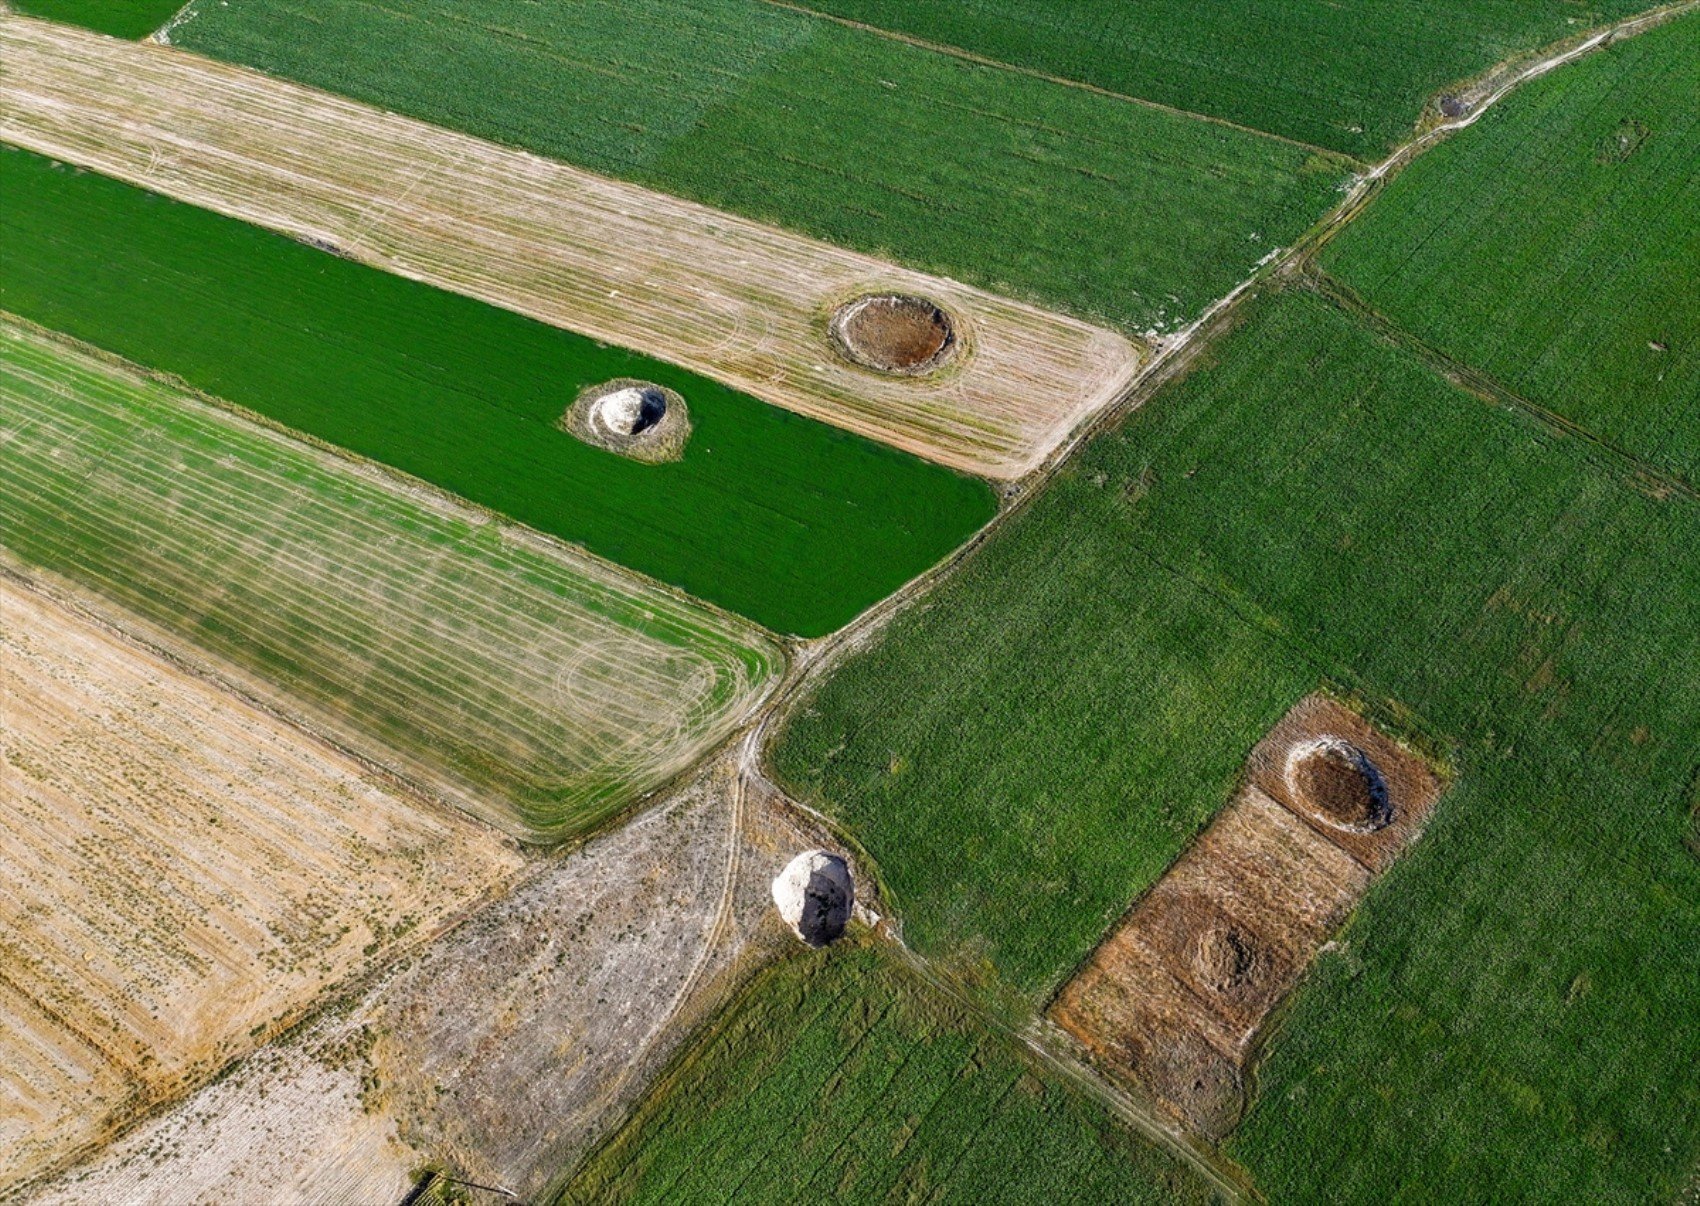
point(1226, 958)
point(637, 419)
point(814, 895)
point(1338, 784)
point(895, 333)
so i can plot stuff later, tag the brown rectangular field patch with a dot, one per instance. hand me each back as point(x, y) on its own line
point(1174, 998)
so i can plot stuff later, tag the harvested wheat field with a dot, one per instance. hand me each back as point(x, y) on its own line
point(1177, 995)
point(736, 300)
point(518, 678)
point(182, 876)
point(504, 1051)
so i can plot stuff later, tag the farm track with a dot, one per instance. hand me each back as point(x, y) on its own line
point(741, 302)
point(522, 680)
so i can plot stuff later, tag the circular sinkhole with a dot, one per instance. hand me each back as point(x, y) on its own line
point(636, 419)
point(1337, 783)
point(815, 895)
point(895, 333)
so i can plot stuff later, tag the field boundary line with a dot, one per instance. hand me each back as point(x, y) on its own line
point(970, 56)
point(1039, 1041)
point(1313, 278)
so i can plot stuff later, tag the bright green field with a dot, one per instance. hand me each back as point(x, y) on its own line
point(788, 521)
point(1352, 77)
point(1116, 211)
point(1555, 245)
point(841, 1076)
point(120, 18)
point(1513, 1014)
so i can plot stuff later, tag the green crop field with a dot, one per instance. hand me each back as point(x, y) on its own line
point(1511, 1014)
point(120, 18)
point(1115, 211)
point(1555, 246)
point(539, 689)
point(1350, 77)
point(786, 520)
point(1032, 746)
point(842, 1076)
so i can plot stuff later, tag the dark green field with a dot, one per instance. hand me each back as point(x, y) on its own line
point(842, 1076)
point(1115, 211)
point(1512, 1014)
point(788, 521)
point(1555, 245)
point(1352, 77)
point(120, 18)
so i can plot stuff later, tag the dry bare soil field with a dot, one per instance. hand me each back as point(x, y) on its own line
point(182, 877)
point(504, 1050)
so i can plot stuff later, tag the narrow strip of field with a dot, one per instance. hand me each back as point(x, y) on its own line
point(182, 875)
point(843, 1075)
point(741, 302)
point(526, 682)
point(1116, 212)
point(120, 18)
point(1555, 246)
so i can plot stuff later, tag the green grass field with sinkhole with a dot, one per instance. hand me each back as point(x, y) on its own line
point(788, 521)
point(1511, 1013)
point(842, 1075)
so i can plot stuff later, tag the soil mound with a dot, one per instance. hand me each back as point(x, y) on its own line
point(1339, 784)
point(895, 333)
point(814, 894)
point(637, 419)
point(1226, 958)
